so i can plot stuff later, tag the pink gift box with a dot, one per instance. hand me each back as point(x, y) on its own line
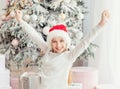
point(86, 75)
point(14, 82)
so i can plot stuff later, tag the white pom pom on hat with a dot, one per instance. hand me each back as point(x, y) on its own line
point(46, 30)
point(58, 30)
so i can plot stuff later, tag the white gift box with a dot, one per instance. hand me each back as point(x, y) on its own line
point(5, 88)
point(30, 81)
point(75, 86)
point(107, 86)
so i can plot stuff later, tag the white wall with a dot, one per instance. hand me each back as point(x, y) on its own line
point(87, 24)
point(2, 5)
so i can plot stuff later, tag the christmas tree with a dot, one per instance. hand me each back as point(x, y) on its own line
point(41, 14)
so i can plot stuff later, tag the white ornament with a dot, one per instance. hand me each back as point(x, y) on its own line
point(46, 30)
point(15, 42)
point(42, 19)
point(72, 47)
point(62, 16)
point(81, 16)
point(26, 18)
point(3, 17)
point(12, 14)
point(33, 18)
point(79, 35)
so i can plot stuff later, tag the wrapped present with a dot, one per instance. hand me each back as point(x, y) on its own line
point(15, 78)
point(5, 88)
point(14, 82)
point(75, 86)
point(86, 75)
point(107, 86)
point(30, 80)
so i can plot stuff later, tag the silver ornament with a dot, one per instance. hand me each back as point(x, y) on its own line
point(33, 18)
point(26, 18)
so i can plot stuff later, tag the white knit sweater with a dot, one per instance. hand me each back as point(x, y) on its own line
point(56, 66)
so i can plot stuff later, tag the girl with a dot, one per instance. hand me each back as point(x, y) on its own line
point(58, 60)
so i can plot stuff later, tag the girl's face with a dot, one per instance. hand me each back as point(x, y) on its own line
point(58, 44)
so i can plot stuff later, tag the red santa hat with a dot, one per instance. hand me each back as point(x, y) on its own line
point(58, 30)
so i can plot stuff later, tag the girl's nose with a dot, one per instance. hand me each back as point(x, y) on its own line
point(58, 44)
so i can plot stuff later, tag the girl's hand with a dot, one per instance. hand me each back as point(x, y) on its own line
point(19, 15)
point(104, 17)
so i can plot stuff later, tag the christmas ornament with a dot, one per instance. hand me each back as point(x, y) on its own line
point(7, 2)
point(15, 42)
point(79, 35)
point(30, 12)
point(72, 47)
point(3, 17)
point(42, 19)
point(12, 14)
point(62, 16)
point(81, 16)
point(33, 18)
point(26, 18)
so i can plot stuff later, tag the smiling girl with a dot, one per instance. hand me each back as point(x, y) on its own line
point(57, 60)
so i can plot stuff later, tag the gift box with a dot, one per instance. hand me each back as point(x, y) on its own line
point(14, 82)
point(86, 75)
point(15, 78)
point(75, 86)
point(30, 80)
point(107, 86)
point(5, 88)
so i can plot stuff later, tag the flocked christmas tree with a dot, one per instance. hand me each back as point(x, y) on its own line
point(41, 14)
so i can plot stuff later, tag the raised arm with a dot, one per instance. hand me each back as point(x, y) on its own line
point(32, 33)
point(79, 49)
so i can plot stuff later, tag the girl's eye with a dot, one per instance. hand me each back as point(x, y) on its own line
point(53, 41)
point(61, 40)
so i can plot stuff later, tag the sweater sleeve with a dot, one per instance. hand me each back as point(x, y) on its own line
point(34, 35)
point(84, 43)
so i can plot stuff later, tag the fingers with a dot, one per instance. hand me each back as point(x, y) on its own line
point(104, 17)
point(106, 14)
